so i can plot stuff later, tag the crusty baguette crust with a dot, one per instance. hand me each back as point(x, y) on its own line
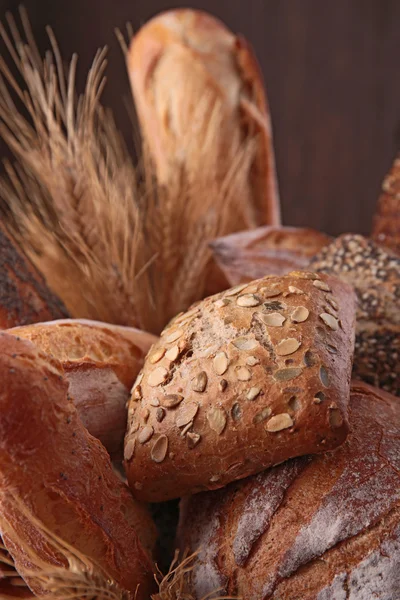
point(249, 255)
point(316, 528)
point(101, 363)
point(62, 474)
point(374, 274)
point(197, 49)
point(24, 296)
point(386, 223)
point(243, 381)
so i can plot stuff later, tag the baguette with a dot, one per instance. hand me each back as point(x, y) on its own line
point(101, 363)
point(243, 381)
point(314, 528)
point(374, 274)
point(24, 296)
point(57, 483)
point(266, 250)
point(185, 67)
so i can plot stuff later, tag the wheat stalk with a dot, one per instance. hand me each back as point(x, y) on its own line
point(71, 197)
point(113, 241)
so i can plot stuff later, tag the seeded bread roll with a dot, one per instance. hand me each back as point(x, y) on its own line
point(243, 381)
point(386, 224)
point(375, 276)
point(101, 363)
point(24, 296)
point(53, 472)
point(314, 528)
point(264, 251)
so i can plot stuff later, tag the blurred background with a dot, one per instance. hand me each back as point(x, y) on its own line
point(332, 76)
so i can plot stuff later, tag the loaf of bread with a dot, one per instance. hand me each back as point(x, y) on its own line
point(24, 296)
point(243, 381)
point(314, 528)
point(386, 224)
point(198, 89)
point(266, 250)
point(375, 275)
point(57, 483)
point(101, 363)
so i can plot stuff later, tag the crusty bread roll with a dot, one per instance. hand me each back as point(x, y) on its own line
point(243, 381)
point(386, 223)
point(62, 476)
point(101, 363)
point(24, 296)
point(314, 528)
point(183, 65)
point(375, 275)
point(267, 250)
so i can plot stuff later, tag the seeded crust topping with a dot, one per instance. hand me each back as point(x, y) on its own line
point(256, 356)
point(375, 275)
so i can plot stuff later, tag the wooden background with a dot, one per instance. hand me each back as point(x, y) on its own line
point(332, 74)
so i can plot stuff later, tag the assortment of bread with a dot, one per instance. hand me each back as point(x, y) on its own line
point(242, 404)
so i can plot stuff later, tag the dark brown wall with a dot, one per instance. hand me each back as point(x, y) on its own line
point(332, 73)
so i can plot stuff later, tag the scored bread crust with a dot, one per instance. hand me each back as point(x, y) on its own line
point(314, 528)
point(24, 295)
point(101, 363)
point(242, 381)
point(62, 475)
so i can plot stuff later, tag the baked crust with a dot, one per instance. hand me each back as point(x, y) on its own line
point(244, 380)
point(374, 273)
point(101, 363)
point(24, 295)
point(249, 255)
point(314, 528)
point(61, 474)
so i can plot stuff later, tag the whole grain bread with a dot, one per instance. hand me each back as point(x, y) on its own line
point(243, 381)
point(55, 477)
point(266, 250)
point(24, 295)
point(374, 274)
point(101, 363)
point(313, 528)
point(386, 223)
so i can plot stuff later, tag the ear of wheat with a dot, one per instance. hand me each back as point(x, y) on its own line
point(113, 241)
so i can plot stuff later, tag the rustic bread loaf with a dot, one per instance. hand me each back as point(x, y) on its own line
point(55, 477)
point(243, 381)
point(313, 528)
point(375, 276)
point(267, 250)
point(24, 296)
point(101, 363)
point(386, 224)
point(187, 71)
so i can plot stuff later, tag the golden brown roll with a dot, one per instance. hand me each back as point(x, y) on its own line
point(243, 381)
point(57, 483)
point(101, 363)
